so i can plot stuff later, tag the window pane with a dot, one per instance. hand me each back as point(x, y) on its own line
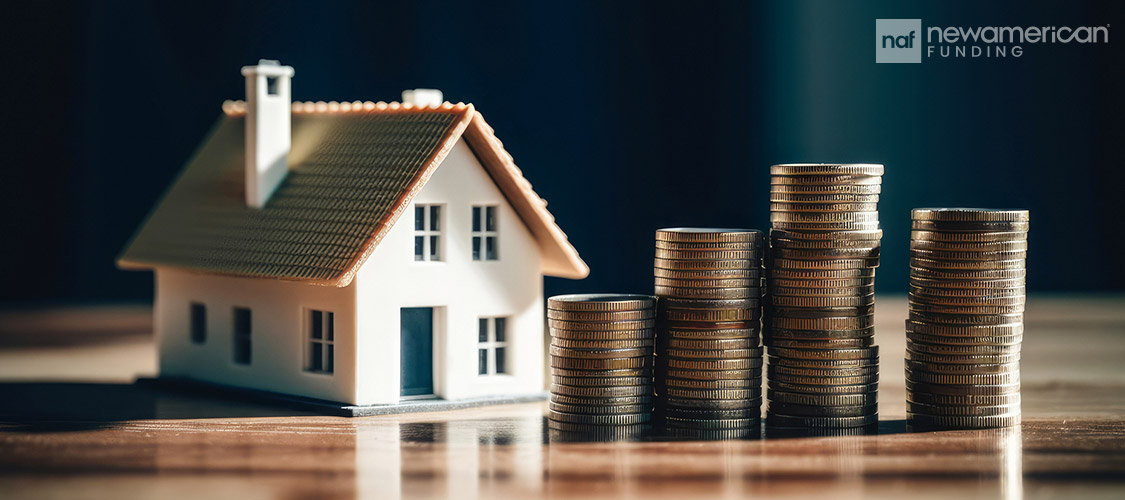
point(476, 219)
point(482, 361)
point(490, 248)
point(198, 320)
point(316, 325)
point(501, 324)
point(476, 247)
point(490, 218)
point(316, 357)
point(500, 365)
point(241, 321)
point(434, 247)
point(435, 218)
point(330, 366)
point(242, 350)
point(419, 218)
point(482, 330)
point(419, 241)
point(331, 327)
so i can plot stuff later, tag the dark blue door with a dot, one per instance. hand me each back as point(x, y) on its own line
point(417, 362)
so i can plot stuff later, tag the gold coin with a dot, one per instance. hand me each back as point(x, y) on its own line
point(823, 207)
point(751, 246)
point(825, 180)
point(819, 411)
point(965, 309)
point(599, 316)
point(968, 237)
point(688, 383)
point(602, 392)
point(600, 326)
point(820, 302)
point(638, 334)
point(961, 410)
point(961, 350)
point(853, 291)
point(963, 368)
point(574, 418)
point(741, 343)
point(821, 343)
point(712, 274)
point(749, 255)
point(827, 189)
point(976, 247)
point(983, 227)
point(820, 334)
point(707, 293)
point(708, 333)
point(962, 390)
point(826, 323)
point(826, 284)
point(712, 353)
point(974, 285)
point(826, 226)
point(964, 400)
point(600, 353)
point(601, 364)
point(707, 264)
point(776, 311)
point(823, 399)
point(705, 315)
point(822, 274)
point(963, 379)
point(713, 283)
point(779, 243)
point(610, 401)
point(981, 293)
point(826, 169)
point(997, 299)
point(966, 275)
point(823, 388)
point(959, 359)
point(601, 302)
point(625, 372)
point(598, 409)
point(779, 372)
point(825, 253)
point(968, 330)
point(959, 422)
point(717, 364)
point(826, 354)
point(968, 265)
point(969, 215)
point(601, 344)
point(732, 374)
point(824, 265)
point(714, 394)
point(973, 256)
point(818, 217)
point(708, 235)
point(601, 381)
point(991, 340)
point(873, 235)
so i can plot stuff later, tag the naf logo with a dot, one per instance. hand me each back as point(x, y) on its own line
point(898, 40)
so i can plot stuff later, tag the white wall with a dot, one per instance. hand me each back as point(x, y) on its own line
point(463, 289)
point(278, 346)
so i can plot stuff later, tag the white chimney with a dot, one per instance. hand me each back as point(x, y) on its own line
point(422, 97)
point(268, 129)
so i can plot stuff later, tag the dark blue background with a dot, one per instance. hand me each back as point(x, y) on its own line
point(626, 116)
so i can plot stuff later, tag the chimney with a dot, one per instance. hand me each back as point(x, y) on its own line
point(422, 97)
point(268, 129)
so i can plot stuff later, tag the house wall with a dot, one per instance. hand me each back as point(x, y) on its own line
point(278, 337)
point(461, 289)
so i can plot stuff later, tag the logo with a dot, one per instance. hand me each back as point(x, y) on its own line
point(898, 40)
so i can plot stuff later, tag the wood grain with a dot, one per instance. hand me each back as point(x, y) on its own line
point(90, 434)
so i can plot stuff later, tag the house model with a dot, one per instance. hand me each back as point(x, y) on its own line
point(360, 253)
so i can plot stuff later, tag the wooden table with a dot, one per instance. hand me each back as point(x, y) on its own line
point(126, 441)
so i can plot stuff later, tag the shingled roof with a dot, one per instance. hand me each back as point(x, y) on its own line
point(354, 169)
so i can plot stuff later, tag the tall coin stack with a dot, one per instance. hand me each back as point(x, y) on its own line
point(709, 355)
point(824, 247)
point(601, 361)
point(963, 336)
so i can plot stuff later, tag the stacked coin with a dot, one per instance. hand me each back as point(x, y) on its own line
point(963, 336)
point(601, 360)
point(824, 247)
point(709, 355)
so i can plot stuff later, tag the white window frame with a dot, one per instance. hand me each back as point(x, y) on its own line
point(490, 344)
point(427, 233)
point(481, 235)
point(327, 341)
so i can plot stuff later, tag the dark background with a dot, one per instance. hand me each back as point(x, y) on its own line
point(626, 116)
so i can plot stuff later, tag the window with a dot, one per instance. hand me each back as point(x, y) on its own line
point(242, 335)
point(492, 346)
point(484, 233)
point(271, 85)
point(427, 232)
point(198, 315)
point(321, 330)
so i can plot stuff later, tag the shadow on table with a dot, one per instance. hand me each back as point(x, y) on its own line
point(60, 406)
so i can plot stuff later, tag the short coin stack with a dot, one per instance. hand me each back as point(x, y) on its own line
point(824, 247)
point(967, 298)
point(709, 355)
point(601, 360)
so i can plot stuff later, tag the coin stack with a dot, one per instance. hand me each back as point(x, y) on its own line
point(963, 336)
point(601, 361)
point(709, 355)
point(824, 247)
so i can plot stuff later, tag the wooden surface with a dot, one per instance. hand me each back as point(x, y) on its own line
point(73, 426)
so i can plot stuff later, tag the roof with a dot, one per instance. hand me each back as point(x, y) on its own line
point(354, 170)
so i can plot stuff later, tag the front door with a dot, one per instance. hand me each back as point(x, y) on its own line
point(417, 361)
